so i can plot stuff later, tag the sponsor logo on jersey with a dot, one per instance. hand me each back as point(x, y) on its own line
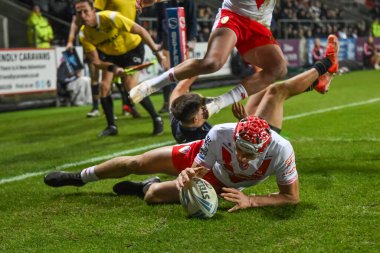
point(224, 19)
point(184, 150)
point(107, 41)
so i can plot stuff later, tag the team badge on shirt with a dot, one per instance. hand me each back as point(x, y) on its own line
point(184, 150)
point(224, 19)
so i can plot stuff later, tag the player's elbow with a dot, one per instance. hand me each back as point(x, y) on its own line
point(293, 199)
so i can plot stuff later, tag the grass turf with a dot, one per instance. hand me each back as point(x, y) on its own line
point(338, 161)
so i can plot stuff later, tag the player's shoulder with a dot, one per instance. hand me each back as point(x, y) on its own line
point(224, 127)
point(279, 141)
point(221, 131)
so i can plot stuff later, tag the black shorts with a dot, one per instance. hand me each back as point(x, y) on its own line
point(131, 58)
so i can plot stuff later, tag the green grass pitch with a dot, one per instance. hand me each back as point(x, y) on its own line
point(336, 138)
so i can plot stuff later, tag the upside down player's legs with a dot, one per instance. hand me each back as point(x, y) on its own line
point(272, 62)
point(271, 107)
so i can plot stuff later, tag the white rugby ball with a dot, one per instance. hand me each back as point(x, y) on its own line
point(199, 198)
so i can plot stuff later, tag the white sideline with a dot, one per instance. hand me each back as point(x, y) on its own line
point(91, 160)
point(126, 152)
point(370, 101)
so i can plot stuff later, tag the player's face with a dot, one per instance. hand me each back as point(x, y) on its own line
point(86, 14)
point(243, 157)
point(201, 116)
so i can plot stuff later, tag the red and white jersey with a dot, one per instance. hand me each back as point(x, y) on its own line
point(219, 154)
point(259, 10)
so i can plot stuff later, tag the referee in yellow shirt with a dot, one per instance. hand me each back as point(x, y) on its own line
point(112, 42)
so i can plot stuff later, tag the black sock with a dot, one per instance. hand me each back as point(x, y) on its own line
point(322, 66)
point(107, 105)
point(311, 87)
point(124, 95)
point(147, 104)
point(95, 96)
point(128, 100)
point(166, 91)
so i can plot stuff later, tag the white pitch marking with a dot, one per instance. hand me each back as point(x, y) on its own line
point(370, 101)
point(95, 159)
point(91, 160)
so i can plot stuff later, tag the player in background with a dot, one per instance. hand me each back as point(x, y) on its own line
point(371, 54)
point(128, 9)
point(232, 156)
point(112, 42)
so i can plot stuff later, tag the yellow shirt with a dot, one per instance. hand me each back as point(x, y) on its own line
point(111, 35)
point(127, 8)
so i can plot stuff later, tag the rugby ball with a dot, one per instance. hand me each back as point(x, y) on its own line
point(199, 198)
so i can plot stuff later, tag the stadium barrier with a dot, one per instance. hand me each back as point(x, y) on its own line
point(28, 76)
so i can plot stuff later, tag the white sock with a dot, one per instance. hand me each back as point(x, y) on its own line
point(162, 80)
point(88, 175)
point(235, 95)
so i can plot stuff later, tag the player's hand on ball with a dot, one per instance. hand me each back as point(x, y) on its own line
point(233, 195)
point(188, 173)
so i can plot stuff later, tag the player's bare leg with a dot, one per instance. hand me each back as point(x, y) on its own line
point(272, 62)
point(151, 162)
point(220, 45)
point(165, 192)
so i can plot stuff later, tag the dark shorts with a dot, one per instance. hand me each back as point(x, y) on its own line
point(131, 58)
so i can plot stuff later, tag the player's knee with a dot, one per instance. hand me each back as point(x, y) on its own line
point(276, 90)
point(104, 89)
point(211, 65)
point(278, 71)
point(151, 195)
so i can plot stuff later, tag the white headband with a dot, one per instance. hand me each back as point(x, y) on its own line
point(247, 146)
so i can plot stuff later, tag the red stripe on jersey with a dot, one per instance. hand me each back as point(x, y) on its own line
point(259, 3)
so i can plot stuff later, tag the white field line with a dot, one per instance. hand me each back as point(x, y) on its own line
point(341, 140)
point(335, 108)
point(91, 160)
point(156, 145)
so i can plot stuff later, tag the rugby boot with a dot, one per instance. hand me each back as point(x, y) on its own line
point(109, 131)
point(332, 51)
point(93, 113)
point(158, 126)
point(324, 83)
point(61, 178)
point(131, 110)
point(134, 188)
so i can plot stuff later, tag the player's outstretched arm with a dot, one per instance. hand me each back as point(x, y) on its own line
point(137, 29)
point(289, 194)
